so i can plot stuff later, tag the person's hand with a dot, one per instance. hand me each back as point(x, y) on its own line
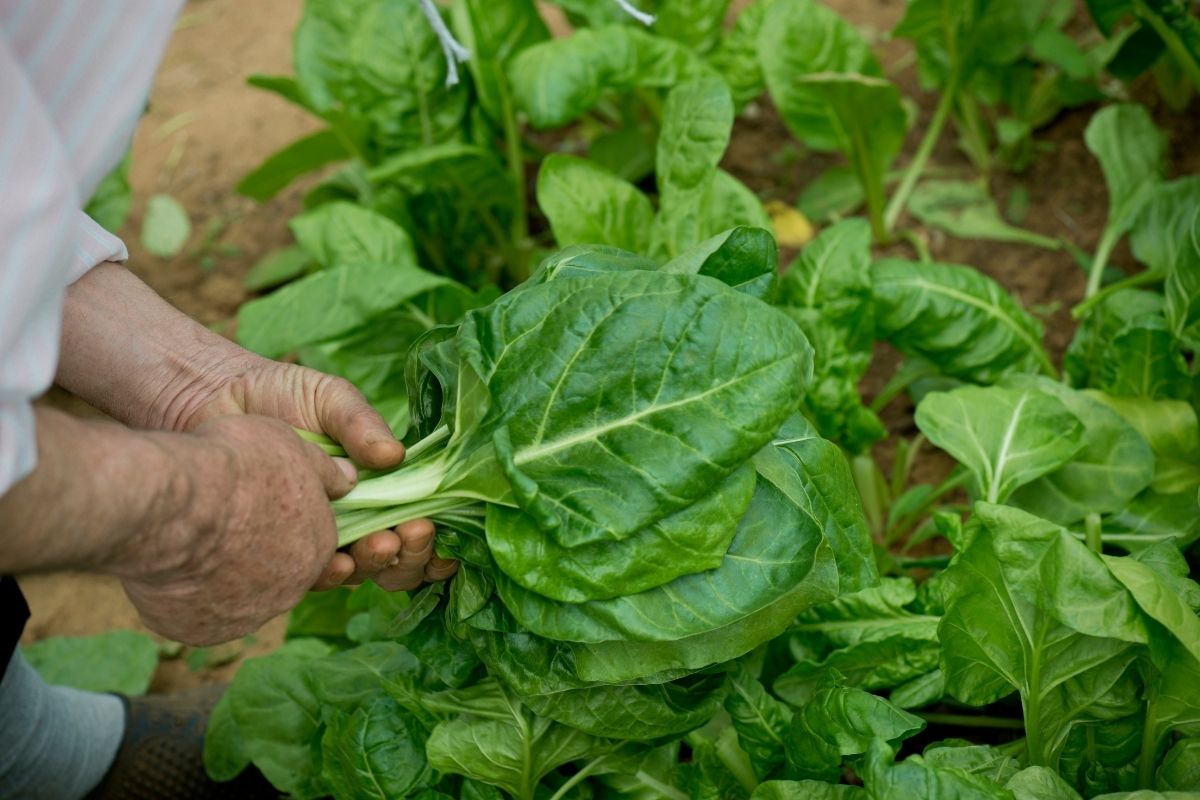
point(249, 532)
point(399, 559)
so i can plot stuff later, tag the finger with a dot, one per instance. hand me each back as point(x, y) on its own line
point(337, 572)
point(439, 569)
point(374, 553)
point(337, 476)
point(345, 415)
point(408, 571)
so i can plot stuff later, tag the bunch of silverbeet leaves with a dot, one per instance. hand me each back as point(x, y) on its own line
point(613, 452)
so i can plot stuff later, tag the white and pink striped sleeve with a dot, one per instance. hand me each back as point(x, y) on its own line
point(74, 77)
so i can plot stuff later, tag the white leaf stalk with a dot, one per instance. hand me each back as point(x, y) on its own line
point(633, 11)
point(454, 52)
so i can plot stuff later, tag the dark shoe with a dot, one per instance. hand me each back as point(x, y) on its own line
point(162, 754)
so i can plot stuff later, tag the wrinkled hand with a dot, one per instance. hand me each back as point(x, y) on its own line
point(398, 559)
point(253, 532)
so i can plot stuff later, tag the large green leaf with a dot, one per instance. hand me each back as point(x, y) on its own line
point(806, 790)
point(116, 661)
point(758, 568)
point(696, 401)
point(587, 204)
point(1114, 465)
point(557, 81)
point(697, 120)
point(693, 539)
point(375, 753)
point(1006, 437)
point(798, 39)
point(803, 470)
point(110, 203)
point(1031, 609)
point(957, 318)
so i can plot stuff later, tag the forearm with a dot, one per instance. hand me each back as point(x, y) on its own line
point(98, 492)
point(132, 355)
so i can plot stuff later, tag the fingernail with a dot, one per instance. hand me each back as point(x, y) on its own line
point(348, 469)
point(440, 563)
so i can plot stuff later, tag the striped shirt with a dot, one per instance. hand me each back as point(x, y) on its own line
point(74, 78)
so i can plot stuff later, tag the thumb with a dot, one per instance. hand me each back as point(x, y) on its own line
point(345, 414)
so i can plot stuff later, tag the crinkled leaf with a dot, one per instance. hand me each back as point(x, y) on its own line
point(761, 721)
point(376, 752)
point(692, 540)
point(694, 402)
point(840, 722)
point(957, 318)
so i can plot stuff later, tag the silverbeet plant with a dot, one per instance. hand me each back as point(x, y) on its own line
point(612, 452)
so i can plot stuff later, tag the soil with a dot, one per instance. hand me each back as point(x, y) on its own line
point(205, 129)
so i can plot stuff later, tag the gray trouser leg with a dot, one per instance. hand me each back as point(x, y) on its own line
point(55, 743)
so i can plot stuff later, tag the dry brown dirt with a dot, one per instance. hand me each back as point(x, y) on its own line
point(205, 129)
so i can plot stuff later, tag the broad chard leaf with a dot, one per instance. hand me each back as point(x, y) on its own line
point(1114, 465)
point(801, 38)
point(915, 777)
point(1031, 609)
point(116, 661)
point(587, 204)
point(1173, 432)
point(686, 434)
point(376, 752)
point(957, 318)
point(697, 122)
point(557, 81)
point(1006, 437)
